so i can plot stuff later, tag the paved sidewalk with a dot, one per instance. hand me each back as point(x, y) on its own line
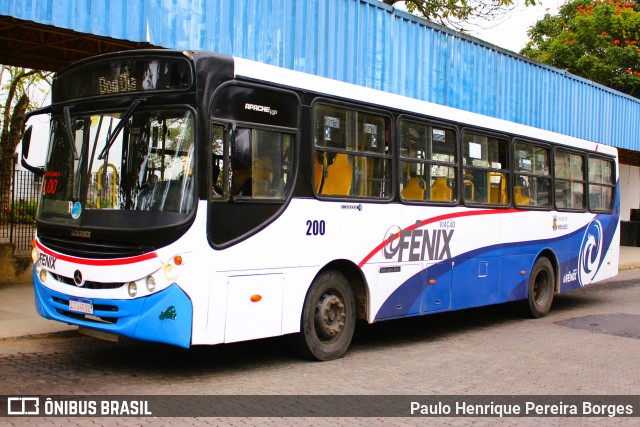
point(18, 316)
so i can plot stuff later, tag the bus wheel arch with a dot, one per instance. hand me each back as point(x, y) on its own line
point(331, 307)
point(356, 280)
point(541, 286)
point(551, 256)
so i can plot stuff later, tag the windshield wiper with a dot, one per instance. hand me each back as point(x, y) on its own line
point(67, 127)
point(134, 105)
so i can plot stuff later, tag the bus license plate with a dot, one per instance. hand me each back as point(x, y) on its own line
point(81, 305)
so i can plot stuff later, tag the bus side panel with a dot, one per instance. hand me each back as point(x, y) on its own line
point(514, 277)
point(254, 306)
point(475, 281)
point(217, 308)
point(437, 293)
point(592, 254)
point(403, 301)
point(500, 272)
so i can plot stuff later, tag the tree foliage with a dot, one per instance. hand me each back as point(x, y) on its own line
point(598, 40)
point(456, 13)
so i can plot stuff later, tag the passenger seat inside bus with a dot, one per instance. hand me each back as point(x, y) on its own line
point(497, 188)
point(521, 192)
point(440, 191)
point(333, 174)
point(415, 188)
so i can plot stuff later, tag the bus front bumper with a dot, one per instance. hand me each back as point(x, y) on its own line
point(164, 317)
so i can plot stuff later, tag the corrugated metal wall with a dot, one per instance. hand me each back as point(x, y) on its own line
point(362, 42)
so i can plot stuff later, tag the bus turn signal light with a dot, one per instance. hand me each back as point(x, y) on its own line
point(256, 298)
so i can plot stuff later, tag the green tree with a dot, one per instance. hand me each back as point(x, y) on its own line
point(456, 13)
point(593, 39)
point(15, 86)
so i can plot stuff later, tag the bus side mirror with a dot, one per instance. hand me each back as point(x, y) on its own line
point(26, 143)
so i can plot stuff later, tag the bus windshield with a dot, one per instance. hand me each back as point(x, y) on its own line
point(144, 163)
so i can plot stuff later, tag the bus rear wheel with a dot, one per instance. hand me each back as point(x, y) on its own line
point(540, 289)
point(328, 318)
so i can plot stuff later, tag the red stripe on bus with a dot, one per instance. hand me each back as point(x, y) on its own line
point(97, 262)
point(424, 222)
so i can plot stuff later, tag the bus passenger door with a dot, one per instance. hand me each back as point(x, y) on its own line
point(436, 295)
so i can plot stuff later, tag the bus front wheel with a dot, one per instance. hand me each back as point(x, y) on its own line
point(540, 289)
point(328, 318)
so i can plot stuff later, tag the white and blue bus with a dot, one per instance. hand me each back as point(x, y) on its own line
point(192, 198)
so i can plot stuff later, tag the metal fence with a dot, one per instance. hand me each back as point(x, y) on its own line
point(18, 209)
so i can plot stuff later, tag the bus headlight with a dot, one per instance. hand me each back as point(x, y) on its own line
point(133, 289)
point(169, 271)
point(151, 284)
point(43, 275)
point(35, 254)
point(172, 267)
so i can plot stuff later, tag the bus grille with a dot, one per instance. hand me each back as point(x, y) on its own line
point(94, 250)
point(88, 284)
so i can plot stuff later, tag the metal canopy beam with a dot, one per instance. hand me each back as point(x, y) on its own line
point(31, 45)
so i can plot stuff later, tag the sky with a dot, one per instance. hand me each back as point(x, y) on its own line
point(511, 32)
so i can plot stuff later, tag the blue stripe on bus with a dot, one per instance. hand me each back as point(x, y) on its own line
point(165, 316)
point(492, 274)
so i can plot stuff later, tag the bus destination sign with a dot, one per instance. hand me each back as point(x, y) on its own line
point(123, 83)
point(123, 77)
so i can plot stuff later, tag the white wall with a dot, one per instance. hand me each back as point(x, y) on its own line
point(629, 190)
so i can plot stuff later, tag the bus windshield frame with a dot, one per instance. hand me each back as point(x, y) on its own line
point(134, 163)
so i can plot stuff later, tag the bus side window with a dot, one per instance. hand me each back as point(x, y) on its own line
point(352, 156)
point(250, 163)
point(428, 166)
point(271, 154)
point(256, 164)
point(569, 180)
point(486, 169)
point(601, 184)
point(532, 181)
point(241, 180)
point(217, 158)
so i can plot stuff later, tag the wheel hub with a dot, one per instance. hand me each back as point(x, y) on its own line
point(329, 316)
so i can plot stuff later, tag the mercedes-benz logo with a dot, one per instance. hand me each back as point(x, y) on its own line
point(77, 278)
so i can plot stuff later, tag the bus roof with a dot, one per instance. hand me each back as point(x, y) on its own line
point(298, 80)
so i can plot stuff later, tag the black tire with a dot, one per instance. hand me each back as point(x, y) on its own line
point(328, 318)
point(542, 285)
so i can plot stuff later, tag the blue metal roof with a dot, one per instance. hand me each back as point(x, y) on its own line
point(363, 42)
